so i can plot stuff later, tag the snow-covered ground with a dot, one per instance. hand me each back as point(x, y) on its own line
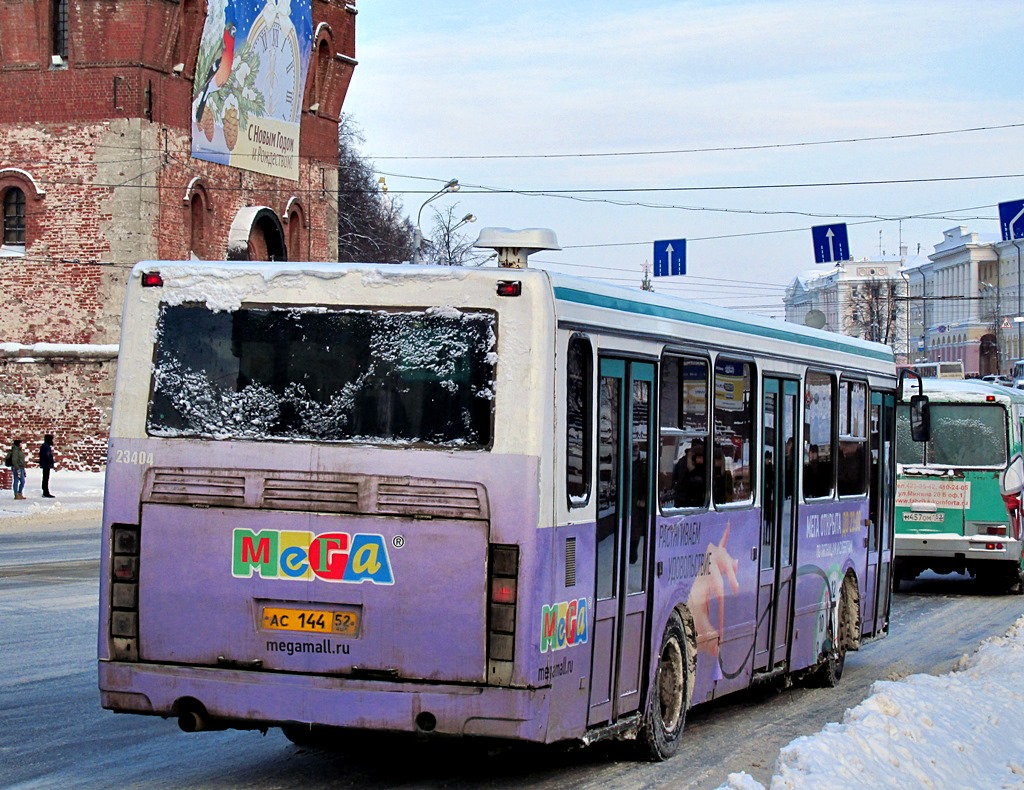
point(73, 491)
point(959, 730)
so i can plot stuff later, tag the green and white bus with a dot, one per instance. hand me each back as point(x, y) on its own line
point(958, 493)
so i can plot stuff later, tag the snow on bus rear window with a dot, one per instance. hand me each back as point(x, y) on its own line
point(319, 374)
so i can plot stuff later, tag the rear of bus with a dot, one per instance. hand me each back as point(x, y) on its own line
point(951, 512)
point(323, 488)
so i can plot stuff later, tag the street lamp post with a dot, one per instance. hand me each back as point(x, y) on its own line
point(466, 219)
point(451, 186)
point(924, 315)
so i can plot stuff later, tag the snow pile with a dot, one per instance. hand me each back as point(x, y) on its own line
point(958, 729)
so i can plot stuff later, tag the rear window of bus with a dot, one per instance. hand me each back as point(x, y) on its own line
point(375, 376)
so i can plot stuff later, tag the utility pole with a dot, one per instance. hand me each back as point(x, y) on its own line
point(1018, 318)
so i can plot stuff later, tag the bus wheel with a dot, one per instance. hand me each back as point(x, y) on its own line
point(670, 693)
point(1015, 581)
point(830, 671)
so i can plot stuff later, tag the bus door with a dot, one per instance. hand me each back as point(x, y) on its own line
point(623, 538)
point(778, 517)
point(881, 514)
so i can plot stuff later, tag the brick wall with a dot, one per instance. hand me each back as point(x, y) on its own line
point(69, 400)
point(101, 146)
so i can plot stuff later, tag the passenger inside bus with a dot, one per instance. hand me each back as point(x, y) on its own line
point(722, 479)
point(691, 482)
point(817, 474)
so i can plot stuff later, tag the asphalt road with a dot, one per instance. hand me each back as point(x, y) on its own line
point(54, 734)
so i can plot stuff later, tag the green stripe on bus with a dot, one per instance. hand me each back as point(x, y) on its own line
point(716, 322)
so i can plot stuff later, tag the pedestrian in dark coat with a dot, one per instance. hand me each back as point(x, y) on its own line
point(46, 462)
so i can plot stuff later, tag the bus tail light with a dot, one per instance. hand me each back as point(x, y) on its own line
point(510, 288)
point(503, 587)
point(124, 592)
point(152, 280)
point(503, 591)
point(999, 530)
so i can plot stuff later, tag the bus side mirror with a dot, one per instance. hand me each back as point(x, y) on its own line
point(1011, 481)
point(920, 425)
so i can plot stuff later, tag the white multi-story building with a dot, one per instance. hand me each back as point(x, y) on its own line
point(954, 305)
point(865, 298)
point(962, 302)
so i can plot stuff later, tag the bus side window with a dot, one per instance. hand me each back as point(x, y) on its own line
point(819, 430)
point(853, 456)
point(734, 432)
point(579, 408)
point(683, 406)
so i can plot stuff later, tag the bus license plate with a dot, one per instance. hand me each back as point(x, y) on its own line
point(341, 622)
point(935, 518)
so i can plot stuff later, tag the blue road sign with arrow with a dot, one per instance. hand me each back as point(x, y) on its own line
point(1011, 219)
point(830, 243)
point(669, 257)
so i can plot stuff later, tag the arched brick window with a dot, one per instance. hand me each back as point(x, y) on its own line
point(319, 68)
point(323, 65)
point(198, 205)
point(297, 231)
point(18, 191)
point(14, 217)
point(197, 235)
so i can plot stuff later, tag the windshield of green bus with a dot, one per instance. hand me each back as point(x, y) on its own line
point(313, 373)
point(963, 434)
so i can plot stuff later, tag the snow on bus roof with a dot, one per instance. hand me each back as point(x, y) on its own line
point(225, 285)
point(961, 390)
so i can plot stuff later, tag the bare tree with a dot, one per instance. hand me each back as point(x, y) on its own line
point(875, 312)
point(371, 227)
point(448, 244)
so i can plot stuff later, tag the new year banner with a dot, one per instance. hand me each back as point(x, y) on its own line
point(250, 76)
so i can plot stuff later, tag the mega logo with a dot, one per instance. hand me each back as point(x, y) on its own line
point(330, 557)
point(563, 625)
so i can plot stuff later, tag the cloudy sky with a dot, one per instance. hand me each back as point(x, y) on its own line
point(735, 124)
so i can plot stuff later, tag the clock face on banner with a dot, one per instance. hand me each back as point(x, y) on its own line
point(248, 114)
point(278, 78)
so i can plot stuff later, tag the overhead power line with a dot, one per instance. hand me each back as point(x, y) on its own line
point(479, 189)
point(730, 148)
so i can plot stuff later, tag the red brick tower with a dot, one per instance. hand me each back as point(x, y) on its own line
point(99, 169)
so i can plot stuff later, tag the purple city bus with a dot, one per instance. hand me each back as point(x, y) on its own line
point(492, 502)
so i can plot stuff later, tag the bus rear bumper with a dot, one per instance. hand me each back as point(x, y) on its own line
point(234, 699)
point(972, 548)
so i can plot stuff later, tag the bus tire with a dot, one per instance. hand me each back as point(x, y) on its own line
point(671, 687)
point(830, 671)
point(1015, 581)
